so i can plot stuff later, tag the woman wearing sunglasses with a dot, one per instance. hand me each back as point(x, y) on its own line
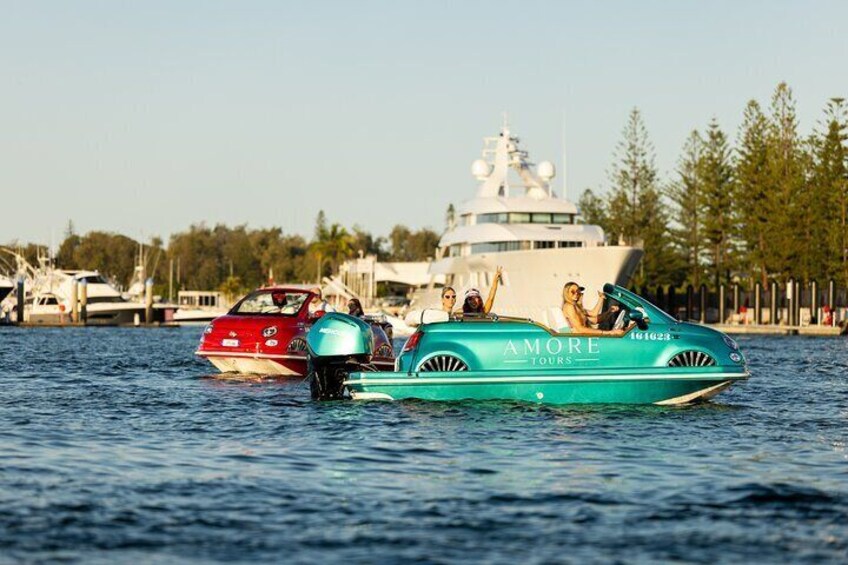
point(579, 319)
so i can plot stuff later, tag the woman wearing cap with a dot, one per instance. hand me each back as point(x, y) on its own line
point(473, 303)
point(578, 317)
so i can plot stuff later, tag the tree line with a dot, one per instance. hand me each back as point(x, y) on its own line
point(771, 205)
point(232, 259)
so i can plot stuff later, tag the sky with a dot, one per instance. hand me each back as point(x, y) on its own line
point(143, 118)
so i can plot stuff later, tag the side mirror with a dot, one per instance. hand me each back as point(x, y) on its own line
point(317, 315)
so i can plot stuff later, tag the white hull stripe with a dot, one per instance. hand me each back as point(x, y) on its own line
point(704, 393)
point(248, 355)
point(267, 356)
point(413, 380)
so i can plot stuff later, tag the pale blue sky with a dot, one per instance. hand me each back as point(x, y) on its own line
point(146, 117)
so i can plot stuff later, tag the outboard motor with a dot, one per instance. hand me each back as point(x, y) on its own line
point(338, 345)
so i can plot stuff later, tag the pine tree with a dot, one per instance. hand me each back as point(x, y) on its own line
point(687, 214)
point(593, 210)
point(636, 215)
point(785, 204)
point(320, 227)
point(715, 173)
point(753, 191)
point(830, 184)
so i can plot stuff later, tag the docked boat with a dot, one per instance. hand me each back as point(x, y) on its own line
point(517, 221)
point(658, 360)
point(265, 333)
point(199, 306)
point(51, 293)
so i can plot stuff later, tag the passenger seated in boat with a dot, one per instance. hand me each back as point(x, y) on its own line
point(607, 318)
point(473, 304)
point(354, 308)
point(578, 317)
point(448, 299)
point(318, 304)
point(279, 299)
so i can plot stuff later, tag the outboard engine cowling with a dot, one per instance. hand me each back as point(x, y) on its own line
point(338, 344)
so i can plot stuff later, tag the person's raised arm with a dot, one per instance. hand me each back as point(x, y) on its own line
point(490, 300)
point(596, 311)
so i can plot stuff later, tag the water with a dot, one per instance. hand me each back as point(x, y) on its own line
point(118, 445)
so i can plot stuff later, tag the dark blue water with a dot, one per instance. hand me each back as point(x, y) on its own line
point(118, 445)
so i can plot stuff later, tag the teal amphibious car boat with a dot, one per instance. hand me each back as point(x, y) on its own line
point(658, 360)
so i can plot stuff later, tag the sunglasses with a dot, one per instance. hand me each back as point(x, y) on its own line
point(449, 296)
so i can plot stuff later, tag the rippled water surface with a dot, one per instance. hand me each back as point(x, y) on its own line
point(118, 444)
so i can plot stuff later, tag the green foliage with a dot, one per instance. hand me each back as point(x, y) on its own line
point(830, 192)
point(687, 210)
point(114, 255)
point(407, 245)
point(717, 197)
point(753, 192)
point(593, 210)
point(635, 210)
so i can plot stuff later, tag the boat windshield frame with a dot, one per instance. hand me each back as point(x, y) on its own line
point(234, 311)
point(633, 301)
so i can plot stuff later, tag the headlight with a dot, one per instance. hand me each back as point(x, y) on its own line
point(270, 331)
point(735, 357)
point(208, 329)
point(730, 343)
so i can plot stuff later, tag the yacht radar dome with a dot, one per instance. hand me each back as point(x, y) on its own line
point(480, 169)
point(546, 170)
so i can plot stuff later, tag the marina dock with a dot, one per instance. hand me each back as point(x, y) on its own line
point(768, 329)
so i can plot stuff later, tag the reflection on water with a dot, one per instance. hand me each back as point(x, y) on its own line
point(118, 444)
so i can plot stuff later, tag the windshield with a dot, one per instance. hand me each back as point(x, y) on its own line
point(631, 300)
point(285, 303)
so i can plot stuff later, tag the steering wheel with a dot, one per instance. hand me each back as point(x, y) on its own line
point(621, 320)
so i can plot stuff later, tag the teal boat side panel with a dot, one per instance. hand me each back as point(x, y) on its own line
point(509, 346)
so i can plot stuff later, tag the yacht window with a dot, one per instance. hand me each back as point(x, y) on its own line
point(545, 244)
point(498, 246)
point(455, 250)
point(538, 218)
point(519, 218)
point(570, 244)
point(93, 279)
point(466, 219)
point(104, 299)
point(501, 218)
point(563, 219)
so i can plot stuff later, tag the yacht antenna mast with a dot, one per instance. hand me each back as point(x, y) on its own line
point(564, 161)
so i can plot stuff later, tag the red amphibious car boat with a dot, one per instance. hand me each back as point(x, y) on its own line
point(265, 334)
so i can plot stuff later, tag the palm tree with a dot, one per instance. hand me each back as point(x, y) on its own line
point(335, 245)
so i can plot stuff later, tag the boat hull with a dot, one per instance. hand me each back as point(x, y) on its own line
point(271, 365)
point(666, 387)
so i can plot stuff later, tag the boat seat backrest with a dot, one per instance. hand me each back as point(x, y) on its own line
point(555, 320)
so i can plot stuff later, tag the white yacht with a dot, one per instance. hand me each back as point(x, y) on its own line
point(200, 306)
point(51, 294)
point(517, 221)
